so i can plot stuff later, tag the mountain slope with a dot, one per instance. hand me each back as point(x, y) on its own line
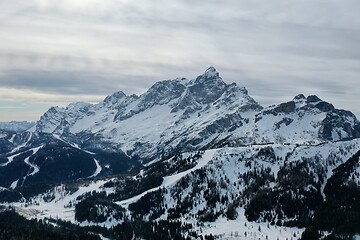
point(196, 154)
point(250, 188)
point(123, 132)
point(173, 115)
point(181, 115)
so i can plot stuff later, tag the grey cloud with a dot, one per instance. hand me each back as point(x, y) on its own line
point(71, 83)
point(276, 49)
point(64, 82)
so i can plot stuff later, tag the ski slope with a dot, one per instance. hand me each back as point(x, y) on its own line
point(33, 168)
point(61, 207)
point(171, 180)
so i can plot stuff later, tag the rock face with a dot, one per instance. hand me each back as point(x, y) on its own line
point(339, 125)
point(288, 107)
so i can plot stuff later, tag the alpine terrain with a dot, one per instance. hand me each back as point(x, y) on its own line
point(188, 159)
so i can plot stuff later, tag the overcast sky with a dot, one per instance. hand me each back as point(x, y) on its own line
point(57, 52)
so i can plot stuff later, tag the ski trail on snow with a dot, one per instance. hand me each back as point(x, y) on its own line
point(98, 167)
point(72, 144)
point(12, 138)
point(35, 168)
point(13, 185)
point(10, 159)
point(22, 145)
point(170, 180)
point(97, 170)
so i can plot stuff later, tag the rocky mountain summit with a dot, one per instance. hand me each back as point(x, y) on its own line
point(173, 115)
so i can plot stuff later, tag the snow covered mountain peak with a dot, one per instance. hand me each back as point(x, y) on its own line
point(311, 102)
point(210, 73)
point(183, 115)
point(162, 93)
point(313, 99)
point(205, 89)
point(299, 97)
point(305, 120)
point(78, 106)
point(171, 114)
point(210, 76)
point(115, 97)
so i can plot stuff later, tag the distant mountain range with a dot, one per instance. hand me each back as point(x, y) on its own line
point(16, 126)
point(195, 151)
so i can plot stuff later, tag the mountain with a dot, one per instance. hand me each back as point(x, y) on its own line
point(305, 120)
point(173, 115)
point(182, 115)
point(196, 157)
point(16, 126)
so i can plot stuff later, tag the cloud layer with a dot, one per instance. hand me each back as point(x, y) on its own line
point(87, 49)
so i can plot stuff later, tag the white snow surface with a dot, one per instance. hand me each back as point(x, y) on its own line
point(10, 159)
point(242, 229)
point(14, 184)
point(12, 138)
point(61, 207)
point(97, 170)
point(34, 167)
point(103, 238)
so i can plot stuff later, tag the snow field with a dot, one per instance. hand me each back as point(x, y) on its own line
point(61, 207)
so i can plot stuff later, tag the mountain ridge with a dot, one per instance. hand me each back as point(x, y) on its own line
point(199, 153)
point(182, 115)
point(193, 96)
point(180, 98)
